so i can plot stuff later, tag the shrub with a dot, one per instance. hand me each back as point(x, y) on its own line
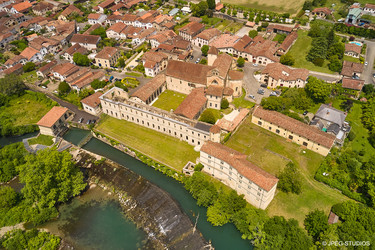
point(64, 88)
point(224, 103)
point(198, 167)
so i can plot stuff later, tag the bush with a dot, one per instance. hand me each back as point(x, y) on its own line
point(224, 103)
point(96, 84)
point(198, 167)
point(318, 62)
point(81, 60)
point(208, 116)
point(205, 49)
point(287, 59)
point(253, 33)
point(29, 66)
point(290, 179)
point(64, 88)
point(240, 62)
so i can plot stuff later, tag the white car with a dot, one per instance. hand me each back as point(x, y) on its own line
point(366, 63)
point(255, 65)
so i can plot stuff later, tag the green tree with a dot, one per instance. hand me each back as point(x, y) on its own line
point(224, 103)
point(64, 88)
point(99, 32)
point(199, 9)
point(208, 116)
point(316, 223)
point(211, 4)
point(290, 179)
point(205, 49)
point(31, 239)
point(50, 177)
point(11, 85)
point(240, 62)
point(253, 33)
point(234, 13)
point(29, 66)
point(216, 216)
point(276, 103)
point(318, 49)
point(317, 89)
point(203, 61)
point(287, 59)
point(81, 60)
point(11, 156)
point(121, 62)
point(337, 49)
point(229, 11)
point(97, 84)
point(335, 64)
point(8, 197)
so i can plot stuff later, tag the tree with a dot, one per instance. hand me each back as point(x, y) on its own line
point(316, 222)
point(234, 13)
point(96, 84)
point(11, 85)
point(317, 89)
point(29, 66)
point(205, 49)
point(8, 197)
point(81, 60)
point(229, 11)
point(211, 4)
point(203, 61)
point(64, 88)
point(335, 64)
point(240, 62)
point(287, 59)
point(99, 32)
point(290, 179)
point(318, 49)
point(208, 116)
point(199, 9)
point(50, 177)
point(224, 103)
point(276, 103)
point(11, 156)
point(253, 33)
point(337, 49)
point(31, 239)
point(121, 62)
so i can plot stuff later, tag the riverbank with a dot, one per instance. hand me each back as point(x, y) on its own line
point(148, 206)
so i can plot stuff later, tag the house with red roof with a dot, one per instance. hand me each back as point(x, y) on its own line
point(91, 104)
point(22, 7)
point(234, 170)
point(53, 123)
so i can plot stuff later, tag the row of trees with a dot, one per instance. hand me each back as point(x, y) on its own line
point(31, 239)
point(358, 31)
point(49, 177)
point(254, 224)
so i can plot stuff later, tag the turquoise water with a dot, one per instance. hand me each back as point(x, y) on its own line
point(225, 237)
point(95, 221)
point(357, 43)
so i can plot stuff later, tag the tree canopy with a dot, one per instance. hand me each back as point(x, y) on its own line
point(205, 49)
point(290, 179)
point(316, 222)
point(240, 62)
point(317, 89)
point(253, 33)
point(29, 66)
point(287, 59)
point(81, 60)
point(64, 88)
point(11, 85)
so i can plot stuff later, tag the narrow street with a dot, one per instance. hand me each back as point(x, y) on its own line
point(368, 70)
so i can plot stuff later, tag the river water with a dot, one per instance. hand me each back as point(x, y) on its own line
point(225, 237)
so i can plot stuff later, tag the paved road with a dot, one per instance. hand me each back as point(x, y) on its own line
point(251, 84)
point(370, 57)
point(78, 113)
point(325, 76)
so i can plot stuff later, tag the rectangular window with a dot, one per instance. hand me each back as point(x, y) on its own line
point(305, 144)
point(259, 123)
point(291, 137)
point(277, 131)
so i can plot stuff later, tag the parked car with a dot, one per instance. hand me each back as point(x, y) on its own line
point(261, 91)
point(111, 78)
point(251, 96)
point(305, 113)
point(80, 120)
point(273, 93)
point(191, 57)
point(366, 63)
point(198, 60)
point(93, 121)
point(255, 64)
point(263, 85)
point(88, 122)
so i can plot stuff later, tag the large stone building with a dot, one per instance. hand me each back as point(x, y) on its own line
point(294, 130)
point(107, 57)
point(190, 30)
point(53, 123)
point(234, 170)
point(278, 75)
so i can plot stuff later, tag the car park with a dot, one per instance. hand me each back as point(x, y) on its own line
point(251, 96)
point(263, 85)
point(80, 120)
point(88, 122)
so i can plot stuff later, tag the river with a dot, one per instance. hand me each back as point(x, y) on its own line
point(224, 237)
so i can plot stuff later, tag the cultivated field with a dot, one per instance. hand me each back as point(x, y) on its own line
point(272, 152)
point(290, 6)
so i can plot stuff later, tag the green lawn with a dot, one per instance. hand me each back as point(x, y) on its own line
point(351, 59)
point(217, 113)
point(240, 102)
point(163, 148)
point(360, 142)
point(42, 139)
point(210, 21)
point(30, 77)
point(169, 100)
point(233, 27)
point(272, 152)
point(299, 51)
point(73, 97)
point(222, 25)
point(27, 109)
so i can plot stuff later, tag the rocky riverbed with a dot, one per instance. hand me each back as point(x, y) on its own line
point(148, 206)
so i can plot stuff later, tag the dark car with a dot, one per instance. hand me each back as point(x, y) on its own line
point(80, 120)
point(88, 122)
point(261, 91)
point(263, 85)
point(305, 113)
point(93, 121)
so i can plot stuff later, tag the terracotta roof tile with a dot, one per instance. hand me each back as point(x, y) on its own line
point(81, 38)
point(22, 7)
point(192, 104)
point(148, 89)
point(208, 34)
point(295, 126)
point(349, 68)
point(11, 70)
point(224, 41)
point(107, 53)
point(279, 71)
point(279, 27)
point(325, 10)
point(232, 125)
point(215, 129)
point(289, 40)
point(49, 119)
point(235, 75)
point(76, 48)
point(29, 52)
point(238, 161)
point(117, 27)
point(351, 47)
point(195, 73)
point(48, 66)
point(370, 6)
point(70, 9)
point(215, 90)
point(192, 28)
point(349, 83)
point(92, 100)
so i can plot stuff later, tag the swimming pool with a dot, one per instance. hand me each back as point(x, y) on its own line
point(357, 43)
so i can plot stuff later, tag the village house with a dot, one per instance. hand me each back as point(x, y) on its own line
point(205, 37)
point(115, 31)
point(351, 69)
point(6, 38)
point(353, 16)
point(161, 37)
point(91, 104)
point(112, 19)
point(16, 69)
point(22, 7)
point(298, 132)
point(147, 93)
point(45, 45)
point(4, 4)
point(94, 18)
point(234, 170)
point(84, 81)
point(76, 48)
point(62, 71)
point(215, 94)
point(322, 12)
point(279, 75)
point(46, 69)
point(105, 5)
point(280, 29)
point(154, 62)
point(89, 42)
point(53, 123)
point(190, 30)
point(41, 8)
point(287, 43)
point(70, 10)
point(370, 8)
point(107, 57)
point(32, 55)
point(352, 50)
point(142, 36)
point(352, 87)
point(332, 121)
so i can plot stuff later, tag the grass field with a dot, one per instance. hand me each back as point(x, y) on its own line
point(163, 148)
point(351, 59)
point(222, 25)
point(272, 152)
point(42, 139)
point(233, 27)
point(240, 102)
point(291, 6)
point(169, 100)
point(30, 77)
point(26, 109)
point(217, 113)
point(299, 51)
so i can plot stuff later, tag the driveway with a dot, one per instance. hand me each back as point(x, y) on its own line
point(133, 63)
point(251, 84)
point(369, 70)
point(197, 53)
point(325, 76)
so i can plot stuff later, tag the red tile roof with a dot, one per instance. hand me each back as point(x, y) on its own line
point(22, 7)
point(192, 104)
point(370, 6)
point(107, 53)
point(49, 119)
point(279, 71)
point(13, 69)
point(70, 9)
point(238, 161)
point(195, 73)
point(325, 10)
point(92, 100)
point(232, 125)
point(295, 126)
point(80, 38)
point(349, 68)
point(48, 66)
point(117, 27)
point(208, 34)
point(192, 28)
point(215, 90)
point(349, 83)
point(219, 6)
point(29, 52)
point(76, 48)
point(289, 40)
point(351, 47)
point(149, 88)
point(215, 129)
point(279, 27)
point(235, 75)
